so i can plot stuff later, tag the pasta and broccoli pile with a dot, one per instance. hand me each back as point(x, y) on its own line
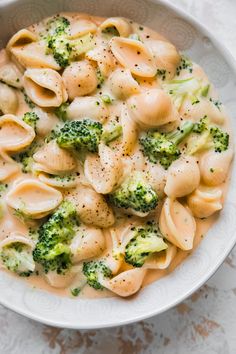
point(113, 148)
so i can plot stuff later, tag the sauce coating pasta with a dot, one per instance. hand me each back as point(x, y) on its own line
point(115, 152)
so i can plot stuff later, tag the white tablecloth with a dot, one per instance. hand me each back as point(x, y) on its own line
point(204, 324)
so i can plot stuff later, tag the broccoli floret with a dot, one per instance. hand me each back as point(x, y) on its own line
point(17, 258)
point(135, 193)
point(111, 133)
point(146, 240)
point(207, 137)
point(52, 249)
point(92, 270)
point(163, 147)
point(62, 48)
point(80, 135)
point(61, 112)
point(31, 119)
point(25, 157)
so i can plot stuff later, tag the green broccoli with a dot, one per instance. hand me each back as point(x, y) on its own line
point(207, 136)
point(25, 157)
point(92, 270)
point(61, 111)
point(146, 241)
point(163, 147)
point(63, 49)
point(80, 135)
point(185, 64)
point(31, 119)
point(135, 193)
point(112, 132)
point(17, 258)
point(52, 250)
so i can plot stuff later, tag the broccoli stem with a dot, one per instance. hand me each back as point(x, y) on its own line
point(180, 134)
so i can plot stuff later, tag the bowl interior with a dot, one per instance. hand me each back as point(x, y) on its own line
point(196, 42)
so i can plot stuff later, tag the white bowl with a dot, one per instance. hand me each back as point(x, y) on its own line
point(192, 38)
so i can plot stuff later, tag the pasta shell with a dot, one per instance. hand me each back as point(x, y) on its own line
point(103, 57)
point(8, 99)
point(177, 224)
point(60, 281)
point(152, 108)
point(11, 75)
point(29, 52)
point(44, 87)
point(80, 27)
point(126, 283)
point(165, 56)
point(129, 132)
point(91, 107)
point(161, 260)
point(16, 237)
point(21, 38)
point(80, 79)
point(133, 55)
point(122, 84)
point(64, 182)
point(52, 159)
point(33, 198)
point(103, 171)
point(92, 207)
point(205, 201)
point(121, 25)
point(183, 177)
point(8, 167)
point(156, 176)
point(89, 242)
point(47, 121)
point(214, 167)
point(204, 107)
point(15, 134)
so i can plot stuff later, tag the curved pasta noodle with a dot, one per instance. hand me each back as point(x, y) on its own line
point(54, 160)
point(103, 171)
point(45, 123)
point(92, 107)
point(133, 55)
point(30, 52)
point(104, 59)
point(44, 87)
point(214, 167)
point(65, 181)
point(165, 55)
point(33, 198)
point(129, 132)
point(80, 27)
point(120, 24)
point(161, 260)
point(205, 201)
point(177, 224)
point(89, 242)
point(152, 108)
point(79, 79)
point(15, 134)
point(8, 99)
point(92, 207)
point(156, 177)
point(122, 84)
point(11, 75)
point(126, 283)
point(182, 178)
point(60, 281)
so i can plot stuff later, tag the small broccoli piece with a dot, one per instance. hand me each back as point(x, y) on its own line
point(100, 78)
point(28, 100)
point(52, 249)
point(92, 270)
point(31, 119)
point(61, 112)
point(25, 157)
point(80, 135)
point(185, 64)
point(75, 291)
point(106, 99)
point(135, 193)
point(111, 31)
point(17, 258)
point(207, 137)
point(164, 147)
point(146, 241)
point(111, 133)
point(57, 41)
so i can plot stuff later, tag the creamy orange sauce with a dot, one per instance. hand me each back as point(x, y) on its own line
point(34, 198)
